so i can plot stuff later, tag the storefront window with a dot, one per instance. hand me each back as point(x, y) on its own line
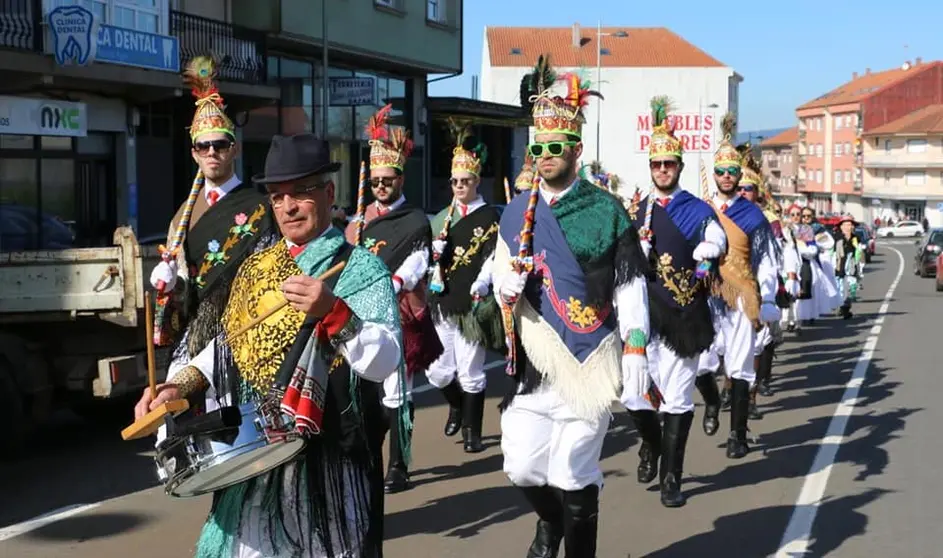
point(58, 189)
point(297, 84)
point(55, 143)
point(340, 120)
point(16, 142)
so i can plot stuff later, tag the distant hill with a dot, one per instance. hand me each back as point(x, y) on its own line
point(755, 135)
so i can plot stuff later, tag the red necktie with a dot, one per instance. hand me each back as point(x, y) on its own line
point(664, 202)
point(295, 250)
point(464, 210)
point(213, 197)
point(381, 211)
point(723, 208)
point(553, 200)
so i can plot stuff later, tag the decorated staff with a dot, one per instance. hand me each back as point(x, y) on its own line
point(361, 202)
point(465, 312)
point(566, 251)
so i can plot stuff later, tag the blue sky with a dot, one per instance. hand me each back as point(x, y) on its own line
point(787, 52)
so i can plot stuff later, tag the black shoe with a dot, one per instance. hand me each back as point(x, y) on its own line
point(397, 476)
point(707, 386)
point(547, 503)
point(453, 395)
point(473, 407)
point(649, 429)
point(739, 408)
point(673, 443)
point(765, 371)
point(580, 522)
point(765, 389)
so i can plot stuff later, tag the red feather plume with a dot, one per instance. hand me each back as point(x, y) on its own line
point(376, 127)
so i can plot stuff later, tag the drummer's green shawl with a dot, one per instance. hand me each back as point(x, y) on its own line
point(366, 286)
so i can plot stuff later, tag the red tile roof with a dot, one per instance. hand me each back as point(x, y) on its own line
point(928, 120)
point(865, 85)
point(786, 137)
point(642, 47)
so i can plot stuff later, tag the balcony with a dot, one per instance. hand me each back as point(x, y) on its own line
point(240, 51)
point(901, 160)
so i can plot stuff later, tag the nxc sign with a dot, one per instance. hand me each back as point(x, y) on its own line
point(73, 27)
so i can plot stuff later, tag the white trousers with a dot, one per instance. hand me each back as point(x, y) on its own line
point(459, 357)
point(393, 396)
point(674, 376)
point(735, 342)
point(544, 443)
point(790, 316)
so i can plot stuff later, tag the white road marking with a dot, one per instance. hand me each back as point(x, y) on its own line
point(796, 540)
point(7, 533)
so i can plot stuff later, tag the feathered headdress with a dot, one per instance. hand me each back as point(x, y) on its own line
point(210, 115)
point(389, 148)
point(469, 154)
point(554, 114)
point(526, 177)
point(664, 143)
point(597, 175)
point(536, 82)
point(726, 154)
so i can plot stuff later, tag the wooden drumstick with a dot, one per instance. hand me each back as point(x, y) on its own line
point(149, 326)
point(268, 313)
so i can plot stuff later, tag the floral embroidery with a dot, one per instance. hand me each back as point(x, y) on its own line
point(219, 254)
point(583, 316)
point(373, 245)
point(677, 281)
point(577, 316)
point(462, 256)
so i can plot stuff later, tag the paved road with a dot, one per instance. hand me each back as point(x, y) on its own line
point(877, 499)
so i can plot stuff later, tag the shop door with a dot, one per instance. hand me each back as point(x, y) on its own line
point(96, 203)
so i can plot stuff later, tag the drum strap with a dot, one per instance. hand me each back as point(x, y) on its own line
point(287, 368)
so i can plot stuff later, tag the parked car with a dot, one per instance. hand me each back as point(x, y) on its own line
point(928, 252)
point(901, 229)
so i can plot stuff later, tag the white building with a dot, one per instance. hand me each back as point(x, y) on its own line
point(635, 64)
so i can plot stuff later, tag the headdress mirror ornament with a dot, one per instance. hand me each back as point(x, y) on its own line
point(599, 176)
point(389, 147)
point(726, 154)
point(526, 176)
point(469, 154)
point(554, 114)
point(210, 115)
point(664, 143)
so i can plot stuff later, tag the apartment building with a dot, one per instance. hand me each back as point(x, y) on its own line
point(831, 127)
point(903, 168)
point(780, 160)
point(93, 114)
point(628, 66)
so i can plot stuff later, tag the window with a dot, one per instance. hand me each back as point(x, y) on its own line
point(837, 121)
point(818, 176)
point(838, 150)
point(819, 151)
point(887, 146)
point(847, 148)
point(848, 122)
point(435, 11)
point(847, 176)
point(838, 177)
point(916, 146)
point(148, 16)
point(915, 178)
point(818, 124)
point(887, 178)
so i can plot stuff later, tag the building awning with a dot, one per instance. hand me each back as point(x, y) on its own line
point(479, 112)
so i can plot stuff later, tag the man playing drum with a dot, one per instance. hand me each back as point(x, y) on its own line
point(329, 501)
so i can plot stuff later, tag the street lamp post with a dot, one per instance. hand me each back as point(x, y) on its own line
point(599, 36)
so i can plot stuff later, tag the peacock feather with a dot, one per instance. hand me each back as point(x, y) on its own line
point(661, 106)
point(200, 77)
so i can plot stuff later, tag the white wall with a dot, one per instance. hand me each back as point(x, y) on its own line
point(628, 92)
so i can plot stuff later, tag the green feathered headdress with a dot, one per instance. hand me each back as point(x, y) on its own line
point(469, 154)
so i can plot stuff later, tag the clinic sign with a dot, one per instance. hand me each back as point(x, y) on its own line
point(696, 131)
point(77, 37)
point(42, 117)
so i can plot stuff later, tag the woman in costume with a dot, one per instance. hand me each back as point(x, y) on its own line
point(466, 317)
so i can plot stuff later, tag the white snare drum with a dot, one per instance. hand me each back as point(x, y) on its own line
point(197, 464)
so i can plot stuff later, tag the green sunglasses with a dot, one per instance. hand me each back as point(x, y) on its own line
point(732, 171)
point(552, 148)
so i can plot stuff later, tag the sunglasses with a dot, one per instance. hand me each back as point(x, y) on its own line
point(657, 165)
point(793, 214)
point(806, 215)
point(220, 146)
point(386, 182)
point(299, 194)
point(747, 188)
point(551, 148)
point(732, 171)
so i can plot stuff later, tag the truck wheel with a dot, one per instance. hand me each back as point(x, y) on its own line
point(12, 414)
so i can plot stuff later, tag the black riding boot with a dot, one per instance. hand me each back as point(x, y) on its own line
point(752, 410)
point(725, 394)
point(673, 441)
point(580, 522)
point(546, 502)
point(453, 395)
point(649, 429)
point(739, 408)
point(397, 474)
point(764, 374)
point(707, 385)
point(473, 411)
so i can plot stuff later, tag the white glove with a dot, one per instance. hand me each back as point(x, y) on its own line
point(438, 246)
point(397, 286)
point(635, 378)
point(706, 251)
point(792, 287)
point(479, 288)
point(769, 312)
point(166, 272)
point(512, 285)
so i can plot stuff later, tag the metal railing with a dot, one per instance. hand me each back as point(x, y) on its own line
point(239, 51)
point(21, 24)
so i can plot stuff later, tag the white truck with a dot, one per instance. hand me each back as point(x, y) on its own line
point(72, 333)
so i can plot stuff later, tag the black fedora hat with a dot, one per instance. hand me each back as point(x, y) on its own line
point(293, 157)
